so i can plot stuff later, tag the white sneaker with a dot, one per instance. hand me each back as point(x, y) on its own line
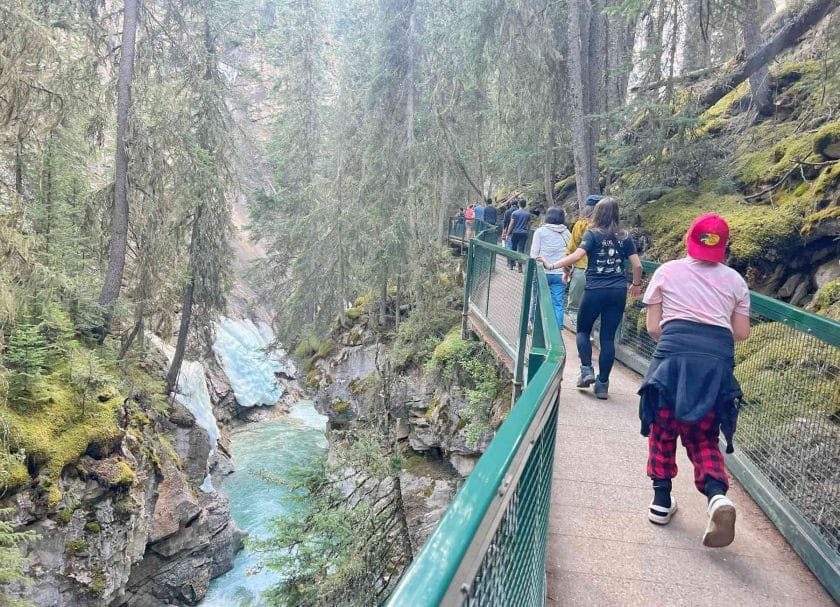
point(660, 515)
point(720, 530)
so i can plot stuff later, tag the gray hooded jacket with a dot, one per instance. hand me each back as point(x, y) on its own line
point(550, 242)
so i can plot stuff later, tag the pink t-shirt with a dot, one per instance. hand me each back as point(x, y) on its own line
point(699, 291)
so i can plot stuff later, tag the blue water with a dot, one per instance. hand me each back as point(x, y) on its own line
point(274, 447)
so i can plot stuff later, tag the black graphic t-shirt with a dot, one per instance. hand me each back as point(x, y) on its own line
point(607, 254)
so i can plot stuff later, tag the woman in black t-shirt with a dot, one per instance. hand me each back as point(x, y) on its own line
point(607, 247)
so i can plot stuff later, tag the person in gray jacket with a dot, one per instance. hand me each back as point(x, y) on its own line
point(549, 243)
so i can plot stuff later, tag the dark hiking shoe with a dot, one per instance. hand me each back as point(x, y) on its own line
point(587, 377)
point(602, 389)
point(720, 530)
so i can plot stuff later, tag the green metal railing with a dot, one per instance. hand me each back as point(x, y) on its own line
point(788, 439)
point(489, 549)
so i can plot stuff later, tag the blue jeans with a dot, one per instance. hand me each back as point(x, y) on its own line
point(558, 293)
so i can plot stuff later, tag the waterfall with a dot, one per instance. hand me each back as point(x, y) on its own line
point(244, 350)
point(193, 394)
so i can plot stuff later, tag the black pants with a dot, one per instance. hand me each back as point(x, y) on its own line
point(518, 241)
point(609, 305)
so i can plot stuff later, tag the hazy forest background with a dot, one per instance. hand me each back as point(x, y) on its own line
point(137, 137)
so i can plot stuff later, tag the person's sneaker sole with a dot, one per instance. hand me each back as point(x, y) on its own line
point(662, 518)
point(720, 530)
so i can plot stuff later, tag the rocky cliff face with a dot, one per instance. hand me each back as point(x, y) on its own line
point(429, 418)
point(133, 528)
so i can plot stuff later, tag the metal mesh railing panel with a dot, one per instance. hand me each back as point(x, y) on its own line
point(789, 425)
point(497, 289)
point(512, 571)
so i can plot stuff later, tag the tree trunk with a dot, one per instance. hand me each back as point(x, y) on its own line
point(760, 79)
point(186, 310)
point(787, 36)
point(19, 164)
point(119, 214)
point(696, 50)
point(579, 26)
point(548, 167)
point(383, 299)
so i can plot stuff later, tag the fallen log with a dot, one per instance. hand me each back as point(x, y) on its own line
point(786, 36)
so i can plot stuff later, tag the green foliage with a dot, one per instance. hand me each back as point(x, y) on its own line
point(827, 300)
point(470, 365)
point(76, 547)
point(26, 358)
point(93, 527)
point(12, 560)
point(340, 549)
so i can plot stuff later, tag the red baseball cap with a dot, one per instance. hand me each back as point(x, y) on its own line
point(707, 237)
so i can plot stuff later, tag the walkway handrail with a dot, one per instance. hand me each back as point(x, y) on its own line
point(500, 514)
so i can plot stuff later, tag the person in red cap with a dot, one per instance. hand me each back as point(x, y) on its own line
point(697, 308)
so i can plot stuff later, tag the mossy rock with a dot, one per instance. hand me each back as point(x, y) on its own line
point(753, 231)
point(98, 584)
point(64, 516)
point(779, 366)
point(76, 547)
point(57, 432)
point(93, 527)
point(813, 220)
point(353, 313)
point(324, 349)
point(125, 507)
point(827, 300)
point(13, 475)
point(794, 71)
point(112, 473)
point(565, 185)
point(53, 496)
point(827, 141)
point(341, 407)
point(306, 347)
point(828, 180)
point(313, 378)
point(433, 405)
point(354, 337)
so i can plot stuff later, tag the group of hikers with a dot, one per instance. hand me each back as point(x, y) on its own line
point(696, 309)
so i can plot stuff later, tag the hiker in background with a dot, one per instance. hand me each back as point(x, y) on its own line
point(490, 214)
point(697, 308)
point(479, 214)
point(549, 243)
point(459, 222)
point(578, 271)
point(469, 215)
point(520, 221)
point(607, 247)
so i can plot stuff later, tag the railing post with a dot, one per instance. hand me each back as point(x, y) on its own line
point(467, 289)
point(519, 363)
